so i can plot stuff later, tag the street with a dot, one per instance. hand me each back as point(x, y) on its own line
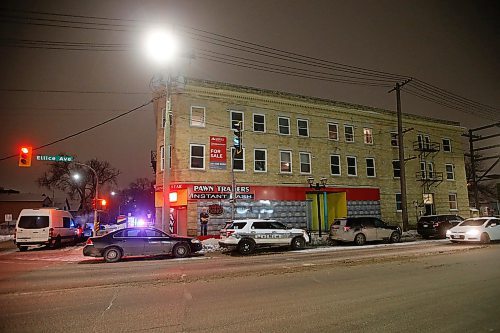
point(427, 285)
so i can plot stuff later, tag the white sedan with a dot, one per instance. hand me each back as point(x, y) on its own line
point(477, 229)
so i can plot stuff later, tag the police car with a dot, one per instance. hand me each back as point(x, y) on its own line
point(246, 235)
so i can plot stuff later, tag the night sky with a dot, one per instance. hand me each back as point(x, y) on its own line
point(66, 72)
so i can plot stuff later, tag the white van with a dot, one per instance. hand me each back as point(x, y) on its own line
point(44, 226)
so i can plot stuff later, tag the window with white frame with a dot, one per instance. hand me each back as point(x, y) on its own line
point(368, 136)
point(423, 170)
point(450, 171)
point(238, 160)
point(285, 161)
point(333, 131)
point(430, 170)
point(284, 125)
point(162, 158)
point(399, 202)
point(260, 160)
point(394, 139)
point(424, 141)
point(305, 162)
point(452, 200)
point(236, 117)
point(370, 167)
point(197, 156)
point(396, 169)
point(303, 127)
point(259, 122)
point(335, 165)
point(349, 133)
point(197, 116)
point(352, 169)
point(447, 145)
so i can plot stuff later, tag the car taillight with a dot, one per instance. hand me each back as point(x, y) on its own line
point(89, 242)
point(346, 229)
point(51, 232)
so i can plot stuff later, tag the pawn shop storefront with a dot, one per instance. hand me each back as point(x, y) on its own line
point(292, 205)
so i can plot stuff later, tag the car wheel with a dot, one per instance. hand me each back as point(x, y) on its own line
point(426, 236)
point(246, 246)
point(181, 250)
point(112, 254)
point(22, 248)
point(360, 239)
point(485, 238)
point(332, 242)
point(298, 243)
point(395, 237)
point(55, 244)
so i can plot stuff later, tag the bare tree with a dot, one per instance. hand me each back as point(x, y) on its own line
point(59, 176)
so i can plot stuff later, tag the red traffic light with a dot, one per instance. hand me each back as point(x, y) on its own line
point(25, 156)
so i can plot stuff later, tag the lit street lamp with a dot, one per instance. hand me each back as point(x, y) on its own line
point(162, 47)
point(317, 187)
point(77, 177)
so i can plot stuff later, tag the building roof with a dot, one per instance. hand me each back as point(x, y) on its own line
point(298, 98)
point(23, 197)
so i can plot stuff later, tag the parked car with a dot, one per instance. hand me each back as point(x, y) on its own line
point(477, 229)
point(363, 229)
point(139, 242)
point(247, 235)
point(45, 226)
point(437, 225)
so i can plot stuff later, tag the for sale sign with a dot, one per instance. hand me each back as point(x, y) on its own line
point(218, 153)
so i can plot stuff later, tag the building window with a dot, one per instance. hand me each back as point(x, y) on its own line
point(197, 116)
point(285, 161)
point(303, 127)
point(197, 157)
point(305, 163)
point(423, 171)
point(394, 139)
point(447, 145)
point(452, 200)
point(450, 171)
point(236, 117)
point(284, 125)
point(163, 117)
point(370, 167)
point(260, 160)
point(396, 169)
point(333, 131)
point(424, 141)
point(430, 170)
point(238, 160)
point(335, 165)
point(349, 133)
point(162, 158)
point(399, 204)
point(259, 123)
point(368, 136)
point(352, 169)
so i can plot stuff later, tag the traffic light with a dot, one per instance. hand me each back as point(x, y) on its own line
point(25, 156)
point(100, 204)
point(238, 143)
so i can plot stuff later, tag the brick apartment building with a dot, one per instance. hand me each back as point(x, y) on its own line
point(289, 138)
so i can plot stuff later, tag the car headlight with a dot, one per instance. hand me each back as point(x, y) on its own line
point(473, 232)
point(448, 232)
point(195, 241)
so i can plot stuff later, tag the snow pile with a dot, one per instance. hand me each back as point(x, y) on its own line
point(211, 245)
point(5, 238)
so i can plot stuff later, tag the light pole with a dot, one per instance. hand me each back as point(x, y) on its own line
point(96, 197)
point(162, 47)
point(317, 187)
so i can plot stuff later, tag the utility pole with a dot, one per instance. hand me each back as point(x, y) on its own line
point(165, 216)
point(473, 169)
point(402, 178)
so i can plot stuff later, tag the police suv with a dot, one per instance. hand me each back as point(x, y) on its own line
point(246, 235)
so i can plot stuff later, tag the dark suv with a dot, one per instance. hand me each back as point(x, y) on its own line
point(362, 229)
point(437, 225)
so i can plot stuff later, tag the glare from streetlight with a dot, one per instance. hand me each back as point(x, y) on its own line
point(162, 46)
point(76, 176)
point(113, 193)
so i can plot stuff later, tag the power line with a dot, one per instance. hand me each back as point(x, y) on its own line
point(89, 128)
point(74, 91)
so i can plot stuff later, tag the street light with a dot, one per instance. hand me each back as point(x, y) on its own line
point(162, 46)
point(317, 187)
point(77, 177)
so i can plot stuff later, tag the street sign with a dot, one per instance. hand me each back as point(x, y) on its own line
point(54, 158)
